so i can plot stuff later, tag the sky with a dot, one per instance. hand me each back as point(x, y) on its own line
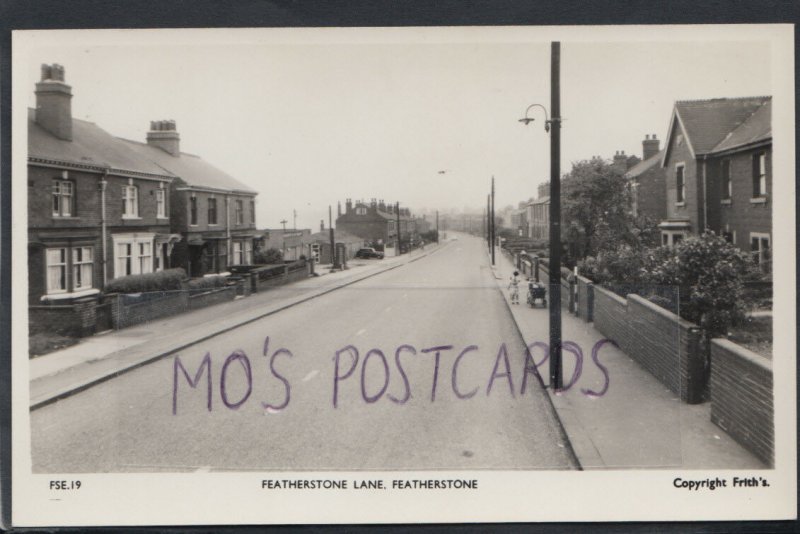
point(310, 122)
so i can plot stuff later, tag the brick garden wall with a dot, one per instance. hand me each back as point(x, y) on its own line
point(665, 345)
point(78, 319)
point(209, 298)
point(741, 397)
point(125, 312)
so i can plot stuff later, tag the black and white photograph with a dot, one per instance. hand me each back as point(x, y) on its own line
point(394, 270)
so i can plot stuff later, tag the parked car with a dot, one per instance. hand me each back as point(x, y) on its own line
point(369, 252)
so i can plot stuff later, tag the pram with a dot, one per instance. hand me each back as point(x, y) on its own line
point(536, 291)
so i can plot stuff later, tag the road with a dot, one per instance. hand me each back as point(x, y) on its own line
point(293, 413)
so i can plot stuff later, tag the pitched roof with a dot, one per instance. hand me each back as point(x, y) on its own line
point(708, 122)
point(757, 128)
point(393, 216)
point(90, 145)
point(190, 168)
point(645, 165)
point(340, 236)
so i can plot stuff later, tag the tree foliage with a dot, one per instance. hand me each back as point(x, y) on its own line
point(269, 256)
point(707, 271)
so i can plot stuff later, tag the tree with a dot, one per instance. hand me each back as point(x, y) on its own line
point(269, 256)
point(595, 206)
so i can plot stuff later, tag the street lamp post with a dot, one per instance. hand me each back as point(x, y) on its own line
point(553, 125)
point(494, 230)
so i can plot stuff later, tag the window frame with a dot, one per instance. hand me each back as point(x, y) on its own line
point(130, 198)
point(193, 210)
point(133, 261)
point(760, 175)
point(71, 268)
point(238, 205)
point(726, 184)
point(161, 202)
point(58, 196)
point(680, 185)
point(761, 256)
point(212, 221)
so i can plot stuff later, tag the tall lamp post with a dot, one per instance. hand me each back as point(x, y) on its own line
point(553, 125)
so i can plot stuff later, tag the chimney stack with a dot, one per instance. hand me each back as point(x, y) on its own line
point(54, 102)
point(621, 160)
point(381, 205)
point(322, 225)
point(338, 209)
point(164, 135)
point(650, 147)
point(348, 206)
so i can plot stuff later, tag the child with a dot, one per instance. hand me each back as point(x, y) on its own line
point(514, 287)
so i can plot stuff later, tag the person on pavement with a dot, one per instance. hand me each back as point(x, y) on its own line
point(513, 286)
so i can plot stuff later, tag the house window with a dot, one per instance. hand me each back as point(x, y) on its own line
point(237, 253)
point(193, 211)
point(124, 265)
point(82, 267)
point(161, 203)
point(248, 252)
point(730, 237)
point(759, 248)
point(145, 257)
point(62, 198)
point(212, 211)
point(727, 191)
point(69, 269)
point(133, 254)
point(130, 201)
point(670, 239)
point(361, 210)
point(239, 207)
point(760, 175)
point(253, 211)
point(680, 184)
point(56, 270)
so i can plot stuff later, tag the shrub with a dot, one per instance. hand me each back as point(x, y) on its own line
point(168, 280)
point(207, 282)
point(269, 256)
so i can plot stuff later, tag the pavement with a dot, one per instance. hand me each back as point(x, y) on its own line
point(103, 356)
point(637, 422)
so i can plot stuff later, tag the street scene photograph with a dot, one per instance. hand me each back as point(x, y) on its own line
point(296, 252)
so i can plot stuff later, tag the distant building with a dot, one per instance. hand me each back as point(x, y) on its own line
point(718, 163)
point(211, 210)
point(539, 217)
point(319, 244)
point(376, 222)
point(292, 243)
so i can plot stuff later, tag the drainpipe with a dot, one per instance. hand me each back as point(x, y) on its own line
point(228, 228)
point(103, 184)
point(705, 197)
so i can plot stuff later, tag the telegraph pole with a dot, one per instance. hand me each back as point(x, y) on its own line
point(398, 227)
point(437, 226)
point(493, 228)
point(334, 263)
point(556, 379)
point(488, 217)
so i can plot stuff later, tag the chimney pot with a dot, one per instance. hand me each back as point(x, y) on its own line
point(164, 135)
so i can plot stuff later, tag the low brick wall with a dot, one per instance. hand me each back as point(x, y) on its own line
point(585, 300)
point(741, 397)
point(544, 276)
point(77, 319)
point(214, 296)
point(125, 311)
point(665, 345)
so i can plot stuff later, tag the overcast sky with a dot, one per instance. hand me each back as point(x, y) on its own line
point(308, 124)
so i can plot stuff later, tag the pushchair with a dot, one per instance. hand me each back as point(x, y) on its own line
point(536, 292)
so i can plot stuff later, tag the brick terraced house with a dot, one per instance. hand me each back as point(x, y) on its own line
point(96, 209)
point(647, 182)
point(718, 162)
point(211, 210)
point(376, 222)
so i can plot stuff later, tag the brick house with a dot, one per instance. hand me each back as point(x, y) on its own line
point(718, 163)
point(376, 222)
point(211, 210)
point(96, 209)
point(647, 182)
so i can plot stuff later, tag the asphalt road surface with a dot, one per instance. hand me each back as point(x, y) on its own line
point(303, 409)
